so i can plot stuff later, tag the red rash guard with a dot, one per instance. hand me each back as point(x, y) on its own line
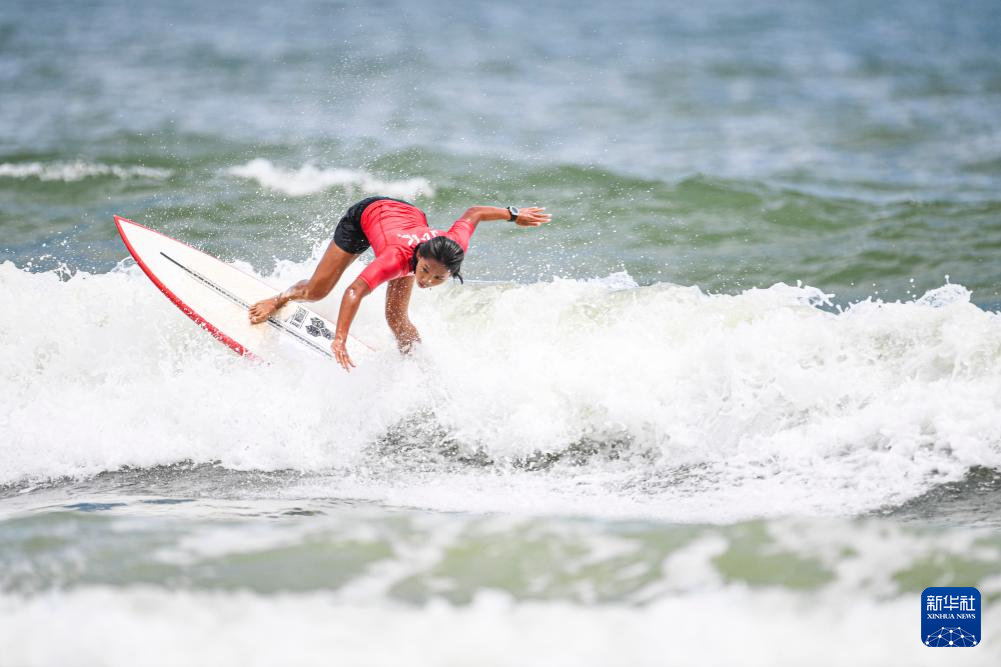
point(394, 228)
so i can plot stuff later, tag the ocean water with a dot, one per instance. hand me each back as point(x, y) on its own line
point(739, 403)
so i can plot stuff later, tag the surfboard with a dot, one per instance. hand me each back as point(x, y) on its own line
point(216, 295)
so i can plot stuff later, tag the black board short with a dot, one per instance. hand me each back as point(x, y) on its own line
point(348, 235)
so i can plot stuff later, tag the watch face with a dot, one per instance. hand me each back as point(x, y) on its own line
point(513, 210)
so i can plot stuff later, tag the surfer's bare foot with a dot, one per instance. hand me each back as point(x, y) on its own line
point(262, 310)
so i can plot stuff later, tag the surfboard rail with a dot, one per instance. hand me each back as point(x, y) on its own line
point(176, 300)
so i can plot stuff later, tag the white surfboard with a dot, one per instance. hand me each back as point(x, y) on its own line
point(216, 296)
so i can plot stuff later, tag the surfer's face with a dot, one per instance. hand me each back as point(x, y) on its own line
point(429, 272)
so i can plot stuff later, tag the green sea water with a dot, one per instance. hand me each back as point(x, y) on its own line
point(853, 148)
point(746, 385)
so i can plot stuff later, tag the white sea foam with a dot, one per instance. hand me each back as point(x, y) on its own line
point(715, 407)
point(309, 179)
point(70, 172)
point(731, 626)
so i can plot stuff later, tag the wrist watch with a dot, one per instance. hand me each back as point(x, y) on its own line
point(513, 212)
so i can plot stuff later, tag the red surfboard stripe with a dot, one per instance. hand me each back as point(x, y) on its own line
point(185, 308)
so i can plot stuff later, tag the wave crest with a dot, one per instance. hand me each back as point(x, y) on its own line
point(309, 179)
point(677, 402)
point(71, 172)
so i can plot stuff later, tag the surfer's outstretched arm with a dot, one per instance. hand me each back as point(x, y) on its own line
point(530, 216)
point(397, 317)
point(353, 295)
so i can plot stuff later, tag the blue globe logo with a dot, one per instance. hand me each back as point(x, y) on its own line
point(950, 637)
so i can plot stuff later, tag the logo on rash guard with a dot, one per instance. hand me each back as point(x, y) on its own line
point(414, 239)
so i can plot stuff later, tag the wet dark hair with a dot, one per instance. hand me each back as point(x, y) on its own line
point(443, 250)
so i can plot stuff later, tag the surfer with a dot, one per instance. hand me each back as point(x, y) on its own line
point(407, 251)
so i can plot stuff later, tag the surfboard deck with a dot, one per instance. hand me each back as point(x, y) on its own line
point(216, 296)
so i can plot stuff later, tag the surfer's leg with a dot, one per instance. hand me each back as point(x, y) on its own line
point(328, 272)
point(349, 242)
point(326, 275)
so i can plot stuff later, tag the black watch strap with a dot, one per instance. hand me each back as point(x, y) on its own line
point(513, 212)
